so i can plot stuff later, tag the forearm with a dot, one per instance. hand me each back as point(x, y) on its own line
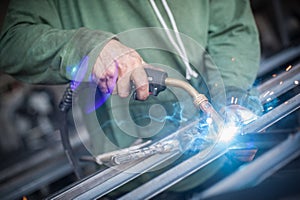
point(41, 54)
point(35, 48)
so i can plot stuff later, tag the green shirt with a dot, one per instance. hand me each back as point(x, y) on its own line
point(41, 39)
point(44, 41)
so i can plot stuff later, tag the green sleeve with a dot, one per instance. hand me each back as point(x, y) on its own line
point(36, 49)
point(233, 42)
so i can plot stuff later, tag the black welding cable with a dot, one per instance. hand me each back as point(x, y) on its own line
point(64, 107)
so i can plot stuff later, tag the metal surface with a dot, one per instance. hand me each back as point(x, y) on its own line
point(274, 116)
point(124, 177)
point(193, 164)
point(257, 171)
point(137, 152)
point(176, 174)
point(277, 60)
point(104, 182)
point(112, 178)
point(38, 170)
point(279, 84)
point(36, 178)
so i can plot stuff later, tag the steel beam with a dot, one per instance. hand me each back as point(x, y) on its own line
point(101, 183)
point(270, 64)
point(183, 170)
point(257, 171)
point(279, 84)
point(274, 115)
point(176, 174)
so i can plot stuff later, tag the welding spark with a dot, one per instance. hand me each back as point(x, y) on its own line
point(269, 108)
point(288, 68)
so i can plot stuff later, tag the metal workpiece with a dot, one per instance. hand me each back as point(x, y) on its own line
point(106, 158)
point(279, 59)
point(279, 84)
point(115, 181)
point(177, 173)
point(114, 177)
point(158, 148)
point(102, 183)
point(254, 173)
point(274, 115)
point(130, 163)
point(186, 168)
point(42, 168)
point(178, 142)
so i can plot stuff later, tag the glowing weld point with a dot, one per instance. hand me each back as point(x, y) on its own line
point(296, 82)
point(209, 120)
point(270, 108)
point(228, 133)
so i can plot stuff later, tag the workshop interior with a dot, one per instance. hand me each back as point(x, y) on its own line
point(43, 156)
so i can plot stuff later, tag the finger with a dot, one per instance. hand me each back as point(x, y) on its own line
point(99, 76)
point(102, 85)
point(123, 85)
point(111, 77)
point(140, 80)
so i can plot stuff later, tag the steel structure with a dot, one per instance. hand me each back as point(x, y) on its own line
point(101, 183)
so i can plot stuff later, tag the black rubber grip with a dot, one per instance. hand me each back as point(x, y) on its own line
point(156, 79)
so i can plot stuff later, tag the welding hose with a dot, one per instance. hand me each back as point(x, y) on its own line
point(64, 107)
point(198, 98)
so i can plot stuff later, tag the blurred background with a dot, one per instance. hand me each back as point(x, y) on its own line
point(33, 162)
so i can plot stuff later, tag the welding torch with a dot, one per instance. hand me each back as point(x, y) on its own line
point(158, 80)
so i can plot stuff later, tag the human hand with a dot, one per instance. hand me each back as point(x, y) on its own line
point(116, 66)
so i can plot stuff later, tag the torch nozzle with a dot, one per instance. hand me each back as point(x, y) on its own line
point(200, 100)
